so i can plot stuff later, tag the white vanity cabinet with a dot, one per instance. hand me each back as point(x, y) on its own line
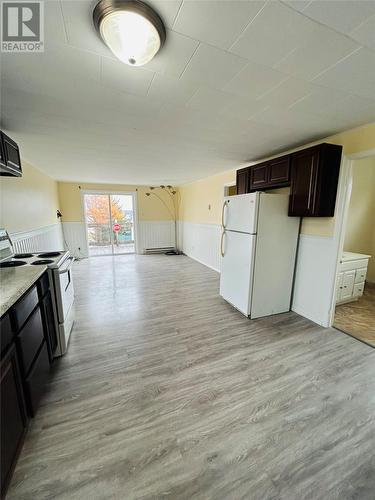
point(350, 282)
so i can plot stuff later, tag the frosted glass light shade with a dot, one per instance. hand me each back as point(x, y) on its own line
point(131, 30)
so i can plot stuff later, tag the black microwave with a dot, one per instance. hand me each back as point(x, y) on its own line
point(10, 160)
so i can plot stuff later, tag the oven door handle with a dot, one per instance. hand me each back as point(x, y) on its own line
point(72, 259)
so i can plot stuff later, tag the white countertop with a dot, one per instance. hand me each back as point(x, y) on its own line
point(14, 282)
point(347, 256)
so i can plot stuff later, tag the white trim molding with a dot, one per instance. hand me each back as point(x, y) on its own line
point(44, 239)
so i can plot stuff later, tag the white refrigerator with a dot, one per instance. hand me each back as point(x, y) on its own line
point(258, 248)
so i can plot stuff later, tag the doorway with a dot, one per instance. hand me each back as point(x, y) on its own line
point(110, 223)
point(355, 280)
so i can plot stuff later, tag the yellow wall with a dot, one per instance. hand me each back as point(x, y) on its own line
point(28, 202)
point(149, 207)
point(196, 196)
point(201, 201)
point(360, 229)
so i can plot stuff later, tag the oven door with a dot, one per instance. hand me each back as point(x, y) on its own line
point(63, 278)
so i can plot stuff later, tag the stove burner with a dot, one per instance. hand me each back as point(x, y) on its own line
point(23, 255)
point(49, 254)
point(42, 262)
point(13, 263)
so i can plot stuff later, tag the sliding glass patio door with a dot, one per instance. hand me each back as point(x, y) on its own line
point(110, 223)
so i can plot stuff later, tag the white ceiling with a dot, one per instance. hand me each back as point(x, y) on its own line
point(236, 80)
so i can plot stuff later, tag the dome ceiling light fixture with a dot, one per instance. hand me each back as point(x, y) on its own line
point(132, 30)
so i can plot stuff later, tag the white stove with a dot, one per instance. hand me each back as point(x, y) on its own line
point(59, 267)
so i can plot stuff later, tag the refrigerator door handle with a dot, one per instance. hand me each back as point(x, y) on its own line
point(222, 213)
point(221, 243)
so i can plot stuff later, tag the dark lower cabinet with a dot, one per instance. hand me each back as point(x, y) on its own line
point(50, 333)
point(242, 181)
point(36, 380)
point(13, 416)
point(28, 340)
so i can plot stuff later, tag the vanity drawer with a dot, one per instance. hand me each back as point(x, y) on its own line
point(358, 289)
point(29, 340)
point(360, 275)
point(353, 264)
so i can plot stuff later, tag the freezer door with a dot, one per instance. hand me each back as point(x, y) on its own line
point(240, 213)
point(236, 269)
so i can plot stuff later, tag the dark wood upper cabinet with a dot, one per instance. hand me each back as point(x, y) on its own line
point(312, 174)
point(259, 176)
point(279, 171)
point(271, 174)
point(10, 161)
point(242, 180)
point(2, 152)
point(314, 178)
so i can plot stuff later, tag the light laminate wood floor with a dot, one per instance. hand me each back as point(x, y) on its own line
point(168, 392)
point(358, 318)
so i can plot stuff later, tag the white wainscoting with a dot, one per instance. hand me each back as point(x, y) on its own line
point(201, 242)
point(44, 239)
point(150, 234)
point(75, 238)
point(315, 274)
point(155, 234)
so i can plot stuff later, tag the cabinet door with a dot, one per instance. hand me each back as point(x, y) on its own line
point(339, 279)
point(258, 176)
point(12, 155)
point(2, 152)
point(304, 171)
point(347, 285)
point(242, 181)
point(13, 416)
point(37, 379)
point(49, 324)
point(279, 172)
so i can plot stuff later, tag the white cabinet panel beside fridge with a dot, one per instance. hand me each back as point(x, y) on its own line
point(259, 245)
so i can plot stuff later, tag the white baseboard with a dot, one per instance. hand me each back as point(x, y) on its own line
point(44, 239)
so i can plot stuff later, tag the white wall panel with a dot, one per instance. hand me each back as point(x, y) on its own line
point(75, 238)
point(201, 242)
point(155, 234)
point(314, 278)
point(44, 239)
